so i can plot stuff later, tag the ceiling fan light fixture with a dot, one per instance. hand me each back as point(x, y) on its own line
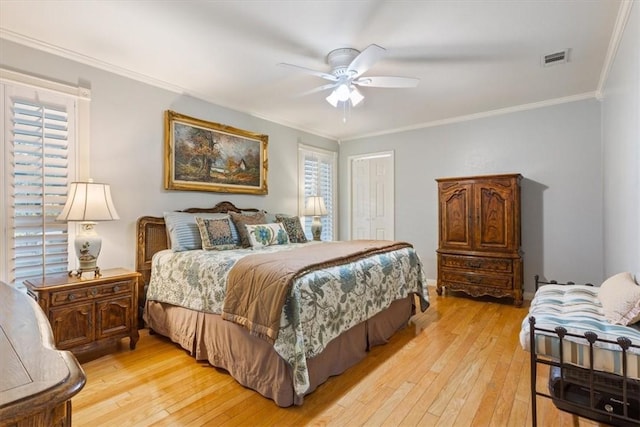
point(356, 97)
point(347, 68)
point(345, 93)
point(333, 99)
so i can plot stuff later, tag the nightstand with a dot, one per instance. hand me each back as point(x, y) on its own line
point(86, 313)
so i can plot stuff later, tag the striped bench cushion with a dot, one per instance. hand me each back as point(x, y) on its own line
point(578, 309)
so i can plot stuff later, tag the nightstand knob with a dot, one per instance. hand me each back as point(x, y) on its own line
point(71, 297)
point(94, 292)
point(116, 288)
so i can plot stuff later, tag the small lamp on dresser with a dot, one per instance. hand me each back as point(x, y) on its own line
point(87, 203)
point(315, 207)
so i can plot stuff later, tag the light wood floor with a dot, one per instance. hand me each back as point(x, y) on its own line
point(458, 364)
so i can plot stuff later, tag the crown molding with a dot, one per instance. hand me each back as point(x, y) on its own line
point(87, 60)
point(614, 43)
point(482, 115)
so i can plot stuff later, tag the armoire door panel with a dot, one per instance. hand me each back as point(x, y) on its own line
point(494, 224)
point(455, 231)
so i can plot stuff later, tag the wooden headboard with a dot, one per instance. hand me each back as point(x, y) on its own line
point(152, 238)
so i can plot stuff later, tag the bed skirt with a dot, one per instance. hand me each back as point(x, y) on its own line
point(254, 363)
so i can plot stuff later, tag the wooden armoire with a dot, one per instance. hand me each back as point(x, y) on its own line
point(479, 236)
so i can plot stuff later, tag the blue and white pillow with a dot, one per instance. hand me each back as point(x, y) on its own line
point(267, 234)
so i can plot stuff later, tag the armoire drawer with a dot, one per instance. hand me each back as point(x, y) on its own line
point(501, 265)
point(473, 279)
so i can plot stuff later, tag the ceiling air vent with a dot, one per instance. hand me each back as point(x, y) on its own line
point(561, 57)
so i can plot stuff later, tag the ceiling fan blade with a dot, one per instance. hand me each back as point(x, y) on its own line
point(321, 74)
point(387, 81)
point(318, 89)
point(365, 60)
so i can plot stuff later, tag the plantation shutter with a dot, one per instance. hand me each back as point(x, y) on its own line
point(40, 132)
point(318, 170)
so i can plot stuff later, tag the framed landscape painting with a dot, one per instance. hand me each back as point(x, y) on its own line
point(207, 156)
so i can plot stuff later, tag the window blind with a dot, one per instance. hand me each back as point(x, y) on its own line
point(318, 170)
point(40, 157)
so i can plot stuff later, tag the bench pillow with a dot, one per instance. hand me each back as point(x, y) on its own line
point(620, 299)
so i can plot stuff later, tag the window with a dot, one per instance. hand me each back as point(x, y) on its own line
point(39, 131)
point(317, 176)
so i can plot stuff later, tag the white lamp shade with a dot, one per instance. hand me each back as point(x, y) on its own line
point(315, 206)
point(355, 97)
point(88, 201)
point(332, 99)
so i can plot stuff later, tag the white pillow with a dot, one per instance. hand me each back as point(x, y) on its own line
point(620, 299)
point(267, 234)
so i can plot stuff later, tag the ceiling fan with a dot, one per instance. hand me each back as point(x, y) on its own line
point(347, 68)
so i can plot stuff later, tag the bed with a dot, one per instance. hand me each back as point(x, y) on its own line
point(331, 314)
point(592, 353)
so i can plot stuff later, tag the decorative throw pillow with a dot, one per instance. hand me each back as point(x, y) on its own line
point(273, 217)
point(267, 234)
point(293, 227)
point(620, 299)
point(183, 232)
point(216, 234)
point(240, 220)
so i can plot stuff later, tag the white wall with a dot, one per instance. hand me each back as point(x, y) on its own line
point(127, 143)
point(621, 154)
point(557, 149)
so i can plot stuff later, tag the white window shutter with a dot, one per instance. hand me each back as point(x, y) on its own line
point(318, 177)
point(39, 149)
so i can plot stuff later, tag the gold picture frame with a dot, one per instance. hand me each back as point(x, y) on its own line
point(207, 156)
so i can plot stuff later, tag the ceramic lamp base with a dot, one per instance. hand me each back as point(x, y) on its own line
point(88, 244)
point(316, 228)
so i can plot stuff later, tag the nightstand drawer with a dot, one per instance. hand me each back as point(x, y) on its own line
point(83, 294)
point(501, 265)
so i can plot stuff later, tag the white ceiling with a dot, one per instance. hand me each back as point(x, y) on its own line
point(472, 57)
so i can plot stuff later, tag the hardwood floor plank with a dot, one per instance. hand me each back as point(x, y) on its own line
point(506, 398)
point(380, 415)
point(475, 395)
point(458, 364)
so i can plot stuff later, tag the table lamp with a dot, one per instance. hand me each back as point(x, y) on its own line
point(87, 203)
point(315, 207)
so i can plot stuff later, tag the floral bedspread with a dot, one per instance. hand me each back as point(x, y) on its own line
point(322, 304)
